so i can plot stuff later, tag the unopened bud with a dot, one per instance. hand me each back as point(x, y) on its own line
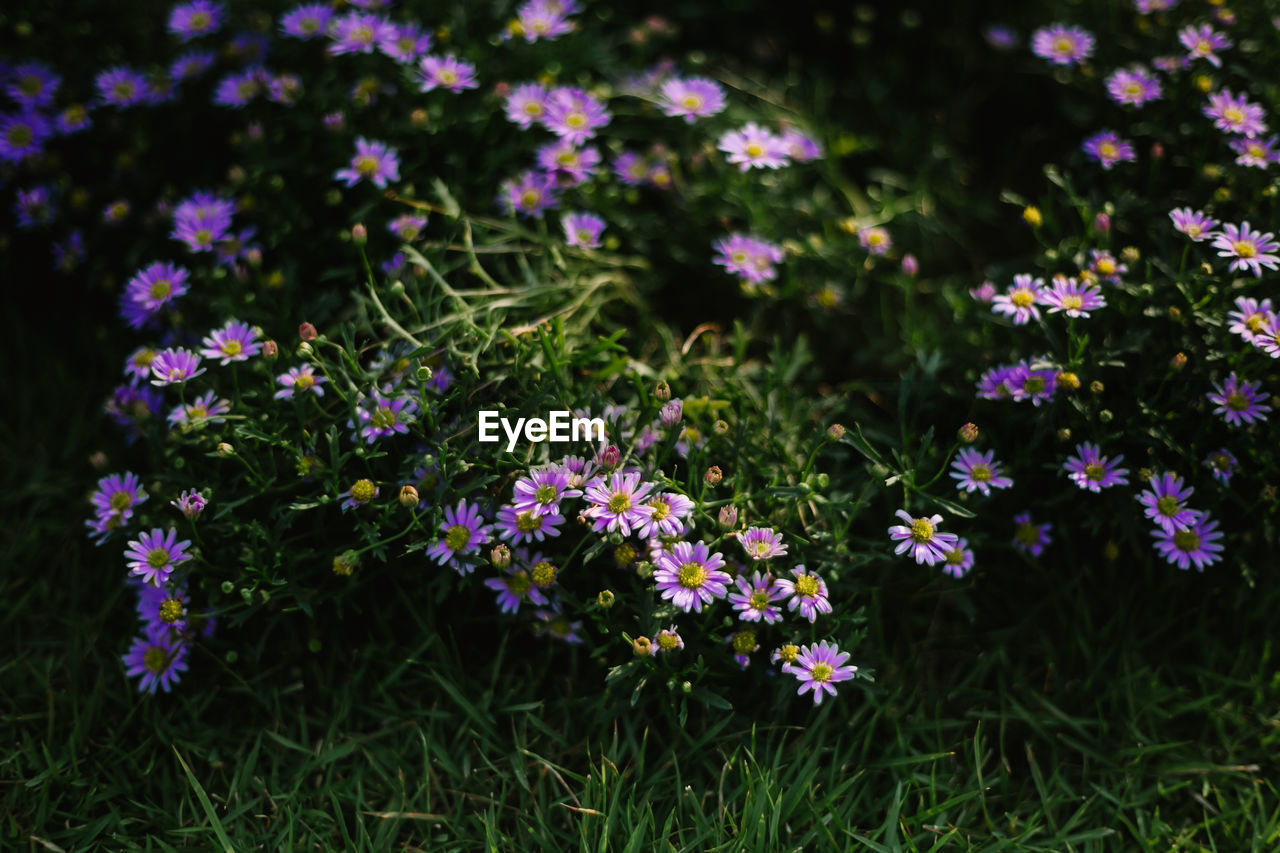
point(345, 563)
point(418, 118)
point(824, 479)
point(610, 457)
point(714, 475)
point(425, 374)
point(605, 599)
point(836, 431)
point(500, 556)
point(98, 460)
point(224, 450)
point(307, 332)
point(359, 234)
point(1097, 387)
point(305, 350)
point(728, 517)
point(1102, 223)
point(642, 647)
point(1178, 361)
point(1031, 216)
point(671, 413)
point(968, 433)
point(720, 427)
point(408, 496)
point(1064, 434)
point(662, 392)
point(1144, 475)
point(1068, 380)
point(1106, 416)
point(1130, 254)
point(910, 265)
point(1175, 313)
point(270, 350)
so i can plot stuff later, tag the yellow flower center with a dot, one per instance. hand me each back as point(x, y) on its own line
point(20, 136)
point(619, 503)
point(1095, 471)
point(807, 586)
point(754, 149)
point(1186, 540)
point(744, 642)
point(1245, 249)
point(529, 199)
point(457, 537)
point(1167, 506)
point(1063, 46)
point(30, 85)
point(362, 35)
point(576, 120)
point(383, 418)
point(1073, 302)
point(1107, 150)
point(170, 610)
point(363, 491)
point(123, 90)
point(821, 672)
point(921, 530)
point(303, 382)
point(309, 26)
point(1027, 533)
point(155, 659)
point(661, 509)
point(518, 584)
point(667, 641)
point(527, 522)
point(1234, 115)
point(367, 164)
point(1106, 266)
point(980, 472)
point(121, 501)
point(203, 237)
point(544, 574)
point(1022, 298)
point(447, 76)
point(1221, 461)
point(691, 101)
point(199, 21)
point(759, 600)
point(232, 346)
point(1237, 402)
point(955, 556)
point(1033, 385)
point(158, 558)
point(533, 109)
point(692, 575)
point(789, 653)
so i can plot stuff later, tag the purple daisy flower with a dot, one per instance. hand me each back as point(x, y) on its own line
point(819, 667)
point(753, 147)
point(299, 380)
point(1165, 503)
point(807, 592)
point(190, 503)
point(447, 73)
point(1020, 300)
point(526, 105)
point(1104, 265)
point(464, 531)
point(1029, 536)
point(175, 365)
point(1235, 115)
point(618, 503)
point(569, 164)
point(543, 489)
point(118, 494)
point(582, 230)
point(408, 227)
point(1062, 45)
point(22, 136)
point(754, 600)
point(667, 640)
point(1025, 383)
point(1251, 250)
point(1194, 224)
point(32, 85)
point(984, 293)
point(1069, 296)
point(1196, 543)
point(235, 341)
point(529, 195)
point(513, 587)
point(34, 207)
point(800, 147)
point(121, 87)
point(922, 538)
point(159, 658)
point(691, 98)
point(875, 240)
point(153, 556)
point(750, 258)
point(1255, 153)
point(519, 526)
point(574, 115)
point(553, 623)
point(191, 65)
point(202, 221)
point(1108, 149)
point(356, 32)
point(1222, 464)
point(1146, 7)
point(959, 560)
point(404, 42)
point(631, 168)
point(1268, 338)
point(360, 494)
point(307, 21)
point(976, 470)
point(138, 365)
point(205, 409)
point(762, 543)
point(73, 119)
point(544, 19)
point(374, 161)
point(381, 416)
point(197, 18)
point(1093, 471)
point(1238, 401)
point(237, 90)
point(1134, 87)
point(151, 290)
point(689, 576)
point(1251, 318)
point(666, 519)
point(1203, 42)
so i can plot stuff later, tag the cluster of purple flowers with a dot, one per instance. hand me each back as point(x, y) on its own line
point(1027, 380)
point(751, 259)
point(754, 147)
point(1183, 536)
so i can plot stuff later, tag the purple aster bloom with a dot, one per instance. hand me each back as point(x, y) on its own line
point(1134, 87)
point(996, 383)
point(1108, 149)
point(1238, 401)
point(151, 290)
point(355, 32)
point(922, 538)
point(762, 543)
point(513, 587)
point(203, 208)
point(299, 380)
point(819, 667)
point(752, 146)
point(129, 406)
point(236, 247)
point(197, 18)
point(667, 640)
point(1104, 265)
point(464, 531)
point(158, 657)
point(525, 525)
point(530, 194)
point(68, 254)
point(73, 119)
point(1235, 115)
point(569, 164)
point(1034, 385)
point(691, 98)
point(117, 495)
point(526, 104)
point(202, 221)
point(191, 64)
point(190, 503)
point(235, 341)
point(1196, 543)
point(671, 413)
point(116, 212)
point(153, 556)
point(959, 560)
point(582, 230)
point(34, 207)
point(307, 21)
point(1001, 36)
point(543, 19)
point(808, 593)
point(447, 73)
point(121, 87)
point(1268, 338)
point(1020, 300)
point(658, 176)
point(1089, 469)
point(1251, 250)
point(553, 623)
point(1194, 224)
point(152, 609)
point(22, 136)
point(748, 257)
point(631, 168)
point(1203, 42)
point(1029, 536)
point(667, 519)
point(975, 470)
point(237, 90)
point(800, 147)
point(1146, 7)
point(1165, 503)
point(374, 161)
point(408, 227)
point(1256, 153)
point(1251, 318)
point(1069, 296)
point(543, 489)
point(381, 416)
point(984, 293)
point(617, 503)
point(404, 42)
point(1062, 45)
point(754, 600)
point(1222, 463)
point(206, 409)
point(32, 85)
point(574, 115)
point(875, 240)
point(175, 365)
point(361, 493)
point(689, 576)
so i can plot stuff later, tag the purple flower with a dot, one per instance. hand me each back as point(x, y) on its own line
point(630, 168)
point(819, 667)
point(1251, 250)
point(158, 657)
point(1203, 42)
point(22, 136)
point(667, 640)
point(1196, 543)
point(1238, 401)
point(1134, 87)
point(689, 576)
point(356, 32)
point(404, 42)
point(235, 341)
point(35, 206)
point(1062, 45)
point(1069, 296)
point(514, 587)
point(408, 227)
point(121, 87)
point(1093, 471)
point(237, 90)
point(800, 147)
point(1194, 224)
point(361, 493)
point(754, 600)
point(1146, 7)
point(569, 164)
point(1029, 536)
point(205, 409)
point(1164, 503)
point(808, 593)
point(1222, 463)
point(73, 119)
point(530, 194)
point(574, 115)
point(382, 417)
point(447, 73)
point(299, 380)
point(752, 146)
point(671, 413)
point(1019, 301)
point(668, 513)
point(544, 19)
point(1251, 318)
point(201, 221)
point(306, 21)
point(617, 503)
point(32, 85)
point(1105, 266)
point(519, 526)
point(1034, 385)
point(374, 161)
point(153, 556)
point(542, 490)
point(922, 538)
point(117, 495)
point(959, 560)
point(197, 18)
point(175, 365)
point(190, 503)
point(151, 290)
point(1108, 149)
point(1235, 115)
point(582, 230)
point(984, 293)
point(555, 624)
point(691, 98)
point(526, 104)
point(464, 531)
point(1256, 153)
point(762, 543)
point(978, 470)
point(748, 257)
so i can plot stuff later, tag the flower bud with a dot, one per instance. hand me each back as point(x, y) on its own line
point(728, 517)
point(824, 479)
point(605, 599)
point(1106, 416)
point(686, 687)
point(98, 460)
point(910, 265)
point(671, 413)
point(345, 563)
point(662, 392)
point(1064, 434)
point(224, 450)
point(228, 587)
point(714, 475)
point(359, 234)
point(305, 350)
point(720, 427)
point(1102, 223)
point(610, 457)
point(1178, 361)
point(418, 118)
point(1068, 380)
point(500, 556)
point(1130, 254)
point(836, 432)
point(425, 374)
point(408, 496)
point(642, 647)
point(307, 332)
point(1144, 475)
point(1097, 387)
point(1031, 216)
point(968, 433)
point(270, 350)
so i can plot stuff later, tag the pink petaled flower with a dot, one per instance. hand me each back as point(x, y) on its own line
point(381, 416)
point(447, 73)
point(976, 470)
point(689, 576)
point(235, 341)
point(754, 600)
point(1203, 42)
point(748, 257)
point(819, 667)
point(691, 98)
point(1251, 319)
point(1108, 149)
point(175, 365)
point(1071, 297)
point(1268, 338)
point(574, 115)
point(1238, 402)
point(617, 503)
point(355, 32)
point(1195, 224)
point(568, 163)
point(1019, 302)
point(519, 526)
point(959, 560)
point(374, 161)
point(526, 104)
point(1235, 115)
point(1251, 250)
point(1062, 45)
point(875, 240)
point(529, 194)
point(801, 147)
point(984, 292)
point(1104, 265)
point(922, 538)
point(808, 593)
point(545, 19)
point(299, 380)
point(1257, 153)
point(1134, 87)
point(752, 146)
point(762, 543)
